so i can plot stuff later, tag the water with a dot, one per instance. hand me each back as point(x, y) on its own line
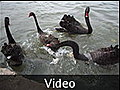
point(103, 17)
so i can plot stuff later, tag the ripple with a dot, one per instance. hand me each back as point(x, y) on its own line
point(103, 17)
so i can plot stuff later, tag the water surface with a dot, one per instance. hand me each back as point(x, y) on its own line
point(103, 18)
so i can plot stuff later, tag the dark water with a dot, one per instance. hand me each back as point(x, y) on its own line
point(104, 20)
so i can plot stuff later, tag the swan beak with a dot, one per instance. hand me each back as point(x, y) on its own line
point(8, 57)
point(29, 15)
point(86, 15)
point(87, 10)
point(48, 45)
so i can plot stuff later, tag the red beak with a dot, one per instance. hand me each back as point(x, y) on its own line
point(48, 45)
point(87, 14)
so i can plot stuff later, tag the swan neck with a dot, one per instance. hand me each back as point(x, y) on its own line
point(9, 36)
point(88, 25)
point(75, 48)
point(38, 28)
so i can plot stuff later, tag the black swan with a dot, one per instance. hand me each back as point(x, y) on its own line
point(102, 56)
point(44, 37)
point(71, 25)
point(12, 51)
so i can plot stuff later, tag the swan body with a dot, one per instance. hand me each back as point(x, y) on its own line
point(102, 56)
point(12, 51)
point(44, 37)
point(71, 25)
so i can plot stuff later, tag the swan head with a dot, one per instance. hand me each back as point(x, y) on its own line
point(87, 10)
point(7, 21)
point(52, 47)
point(31, 14)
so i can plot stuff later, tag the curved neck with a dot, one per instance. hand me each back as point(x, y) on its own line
point(38, 28)
point(9, 36)
point(75, 48)
point(88, 25)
